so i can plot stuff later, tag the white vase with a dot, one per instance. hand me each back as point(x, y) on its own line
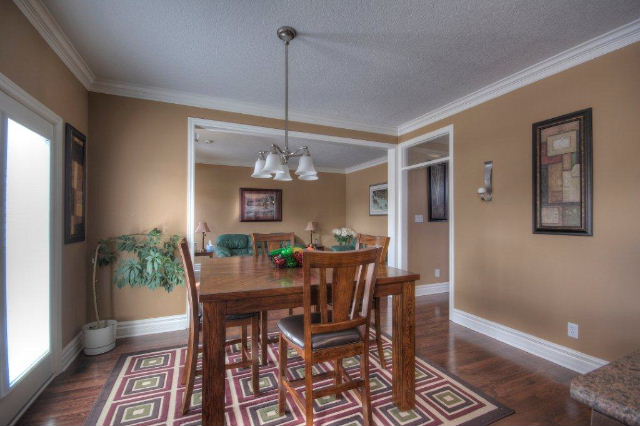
point(99, 340)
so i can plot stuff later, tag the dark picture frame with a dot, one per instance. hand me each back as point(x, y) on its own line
point(562, 149)
point(260, 205)
point(75, 185)
point(379, 199)
point(438, 184)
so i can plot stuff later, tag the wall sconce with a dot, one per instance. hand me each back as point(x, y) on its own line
point(486, 191)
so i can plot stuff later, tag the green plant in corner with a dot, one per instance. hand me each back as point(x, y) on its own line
point(141, 260)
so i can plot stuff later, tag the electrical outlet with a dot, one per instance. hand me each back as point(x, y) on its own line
point(573, 330)
point(436, 272)
point(419, 218)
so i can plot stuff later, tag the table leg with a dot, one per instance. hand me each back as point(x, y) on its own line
point(213, 340)
point(404, 347)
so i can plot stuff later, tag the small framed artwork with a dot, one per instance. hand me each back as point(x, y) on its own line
point(563, 175)
point(260, 205)
point(378, 199)
point(437, 182)
point(75, 192)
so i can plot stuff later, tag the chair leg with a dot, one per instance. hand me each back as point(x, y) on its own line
point(378, 331)
point(365, 390)
point(187, 361)
point(308, 400)
point(290, 311)
point(282, 374)
point(264, 338)
point(255, 379)
point(191, 362)
point(243, 343)
point(338, 377)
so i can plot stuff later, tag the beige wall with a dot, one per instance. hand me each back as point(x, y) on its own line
point(138, 164)
point(218, 203)
point(358, 200)
point(27, 60)
point(536, 283)
point(428, 242)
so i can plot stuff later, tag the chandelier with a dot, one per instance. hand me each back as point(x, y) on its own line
point(275, 163)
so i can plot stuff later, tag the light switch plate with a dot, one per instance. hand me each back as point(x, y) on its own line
point(419, 218)
point(573, 330)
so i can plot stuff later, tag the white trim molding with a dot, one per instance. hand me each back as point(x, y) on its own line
point(435, 288)
point(70, 352)
point(558, 354)
point(366, 165)
point(40, 17)
point(251, 164)
point(583, 52)
point(151, 326)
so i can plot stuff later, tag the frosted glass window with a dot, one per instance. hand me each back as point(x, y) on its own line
point(428, 151)
point(27, 248)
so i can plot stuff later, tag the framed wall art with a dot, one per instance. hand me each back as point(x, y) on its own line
point(378, 199)
point(260, 205)
point(563, 175)
point(75, 192)
point(437, 182)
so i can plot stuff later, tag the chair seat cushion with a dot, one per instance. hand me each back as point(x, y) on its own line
point(232, 317)
point(293, 328)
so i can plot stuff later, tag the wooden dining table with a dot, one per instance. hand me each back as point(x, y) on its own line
point(242, 284)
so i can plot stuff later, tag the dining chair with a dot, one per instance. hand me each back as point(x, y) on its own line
point(263, 244)
point(193, 344)
point(363, 241)
point(338, 331)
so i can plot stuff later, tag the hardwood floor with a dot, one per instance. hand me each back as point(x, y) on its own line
point(536, 389)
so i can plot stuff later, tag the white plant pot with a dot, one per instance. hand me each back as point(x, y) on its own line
point(99, 340)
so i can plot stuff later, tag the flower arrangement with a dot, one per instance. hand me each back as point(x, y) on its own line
point(344, 236)
point(287, 257)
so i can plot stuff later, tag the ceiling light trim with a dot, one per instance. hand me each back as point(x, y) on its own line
point(42, 20)
point(581, 53)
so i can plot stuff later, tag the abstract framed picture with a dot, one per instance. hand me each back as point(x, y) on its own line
point(563, 175)
point(437, 182)
point(260, 205)
point(378, 199)
point(75, 192)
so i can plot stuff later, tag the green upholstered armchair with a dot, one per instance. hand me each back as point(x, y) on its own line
point(229, 245)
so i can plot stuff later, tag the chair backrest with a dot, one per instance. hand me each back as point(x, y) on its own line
point(365, 240)
point(263, 244)
point(352, 280)
point(192, 290)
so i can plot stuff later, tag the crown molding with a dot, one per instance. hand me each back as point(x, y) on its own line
point(40, 17)
point(251, 164)
point(583, 52)
point(213, 102)
point(366, 165)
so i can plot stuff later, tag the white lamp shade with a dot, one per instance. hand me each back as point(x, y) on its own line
point(202, 227)
point(272, 164)
point(305, 166)
point(308, 177)
point(283, 174)
point(258, 170)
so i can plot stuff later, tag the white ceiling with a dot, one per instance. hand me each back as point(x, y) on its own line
point(375, 62)
point(232, 148)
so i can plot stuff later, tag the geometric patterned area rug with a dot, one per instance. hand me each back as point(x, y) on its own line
point(144, 390)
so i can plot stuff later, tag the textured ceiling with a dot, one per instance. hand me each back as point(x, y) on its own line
point(376, 62)
point(241, 149)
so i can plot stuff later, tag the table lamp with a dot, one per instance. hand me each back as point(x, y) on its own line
point(204, 228)
point(311, 226)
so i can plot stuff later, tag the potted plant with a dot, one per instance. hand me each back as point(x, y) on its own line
point(149, 261)
point(345, 238)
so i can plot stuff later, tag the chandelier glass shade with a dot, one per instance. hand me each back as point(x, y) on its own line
point(276, 162)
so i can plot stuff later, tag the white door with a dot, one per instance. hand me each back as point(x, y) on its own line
point(26, 212)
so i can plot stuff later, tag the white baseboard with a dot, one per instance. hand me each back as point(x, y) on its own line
point(558, 354)
point(151, 326)
point(70, 352)
point(427, 289)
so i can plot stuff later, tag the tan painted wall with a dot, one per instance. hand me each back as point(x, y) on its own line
point(138, 163)
point(428, 242)
point(536, 283)
point(29, 62)
point(358, 200)
point(218, 203)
